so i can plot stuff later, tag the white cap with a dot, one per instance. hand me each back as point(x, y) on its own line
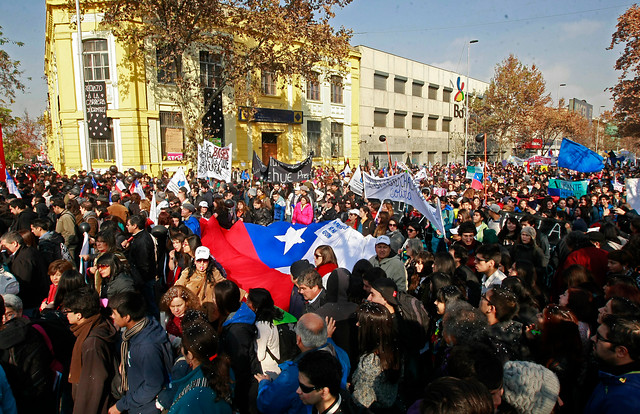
point(204, 204)
point(383, 240)
point(203, 252)
point(354, 211)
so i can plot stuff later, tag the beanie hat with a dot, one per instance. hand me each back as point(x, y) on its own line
point(530, 387)
point(530, 231)
point(387, 288)
point(300, 266)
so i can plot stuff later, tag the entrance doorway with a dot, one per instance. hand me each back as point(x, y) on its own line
point(269, 146)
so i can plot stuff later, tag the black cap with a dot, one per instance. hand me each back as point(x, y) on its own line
point(387, 288)
point(299, 267)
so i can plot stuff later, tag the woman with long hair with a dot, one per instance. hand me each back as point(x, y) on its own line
point(113, 276)
point(70, 281)
point(261, 303)
point(383, 224)
point(395, 235)
point(376, 378)
point(207, 388)
point(55, 271)
point(303, 211)
point(526, 248)
point(177, 260)
point(509, 233)
point(325, 261)
point(366, 226)
point(201, 277)
point(175, 303)
point(237, 339)
point(243, 213)
point(189, 247)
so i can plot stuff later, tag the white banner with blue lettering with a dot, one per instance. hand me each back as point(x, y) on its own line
point(401, 187)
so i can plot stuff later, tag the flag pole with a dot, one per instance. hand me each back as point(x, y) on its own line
point(87, 146)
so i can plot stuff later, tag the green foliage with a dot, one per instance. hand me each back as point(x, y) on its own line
point(10, 73)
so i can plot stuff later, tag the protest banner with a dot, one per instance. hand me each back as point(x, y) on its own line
point(214, 161)
point(564, 189)
point(633, 193)
point(178, 180)
point(472, 171)
point(401, 187)
point(355, 184)
point(279, 172)
point(554, 229)
point(258, 169)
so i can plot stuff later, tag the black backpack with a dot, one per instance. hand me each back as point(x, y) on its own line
point(414, 313)
point(288, 347)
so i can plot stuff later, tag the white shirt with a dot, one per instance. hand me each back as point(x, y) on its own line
point(495, 279)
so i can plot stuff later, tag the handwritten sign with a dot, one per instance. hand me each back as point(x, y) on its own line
point(214, 161)
point(95, 94)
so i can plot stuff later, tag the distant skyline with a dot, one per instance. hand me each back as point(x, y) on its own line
point(566, 39)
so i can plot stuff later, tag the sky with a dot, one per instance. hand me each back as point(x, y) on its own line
point(566, 39)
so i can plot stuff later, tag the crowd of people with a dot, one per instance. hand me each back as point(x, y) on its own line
point(527, 303)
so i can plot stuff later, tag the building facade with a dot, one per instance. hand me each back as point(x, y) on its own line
point(582, 107)
point(419, 108)
point(141, 125)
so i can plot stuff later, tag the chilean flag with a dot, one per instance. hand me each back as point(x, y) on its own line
point(476, 182)
point(120, 187)
point(259, 256)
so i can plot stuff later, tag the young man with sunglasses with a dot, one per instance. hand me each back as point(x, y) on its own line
point(617, 349)
point(487, 260)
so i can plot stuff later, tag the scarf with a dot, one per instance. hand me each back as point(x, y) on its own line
point(81, 332)
point(124, 351)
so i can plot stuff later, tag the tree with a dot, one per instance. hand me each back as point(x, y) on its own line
point(626, 93)
point(10, 80)
point(22, 138)
point(287, 41)
point(515, 93)
point(548, 124)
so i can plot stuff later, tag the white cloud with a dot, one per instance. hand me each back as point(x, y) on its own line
point(581, 28)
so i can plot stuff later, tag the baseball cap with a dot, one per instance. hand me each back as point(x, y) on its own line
point(494, 208)
point(203, 253)
point(189, 206)
point(203, 204)
point(383, 240)
point(354, 211)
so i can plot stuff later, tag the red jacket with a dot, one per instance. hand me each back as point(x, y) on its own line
point(593, 259)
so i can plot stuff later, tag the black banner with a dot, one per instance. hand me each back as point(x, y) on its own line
point(213, 119)
point(96, 99)
point(258, 169)
point(281, 116)
point(279, 172)
point(552, 228)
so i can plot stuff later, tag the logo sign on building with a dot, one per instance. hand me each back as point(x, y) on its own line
point(95, 94)
point(459, 97)
point(214, 161)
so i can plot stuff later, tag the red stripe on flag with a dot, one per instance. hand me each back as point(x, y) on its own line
point(236, 253)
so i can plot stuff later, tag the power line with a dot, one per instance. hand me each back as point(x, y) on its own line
point(457, 27)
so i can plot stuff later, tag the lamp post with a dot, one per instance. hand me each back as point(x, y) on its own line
point(466, 104)
point(383, 138)
point(558, 93)
point(598, 127)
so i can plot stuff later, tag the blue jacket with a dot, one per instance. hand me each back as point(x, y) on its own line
point(615, 394)
point(279, 395)
point(193, 224)
point(199, 399)
point(7, 402)
point(149, 362)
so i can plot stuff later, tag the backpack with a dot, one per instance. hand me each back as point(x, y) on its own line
point(416, 316)
point(287, 339)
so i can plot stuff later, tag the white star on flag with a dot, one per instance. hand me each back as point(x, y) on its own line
point(291, 237)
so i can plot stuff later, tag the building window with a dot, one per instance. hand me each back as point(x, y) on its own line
point(313, 90)
point(433, 92)
point(314, 134)
point(210, 69)
point(446, 125)
point(445, 158)
point(379, 119)
point(432, 124)
point(268, 83)
point(416, 122)
point(336, 89)
point(96, 60)
point(416, 89)
point(379, 82)
point(446, 95)
point(431, 157)
point(103, 150)
point(398, 119)
point(399, 85)
point(171, 135)
point(168, 67)
point(336, 139)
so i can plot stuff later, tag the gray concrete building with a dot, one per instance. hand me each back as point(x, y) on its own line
point(418, 107)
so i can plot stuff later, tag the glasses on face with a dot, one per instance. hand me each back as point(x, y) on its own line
point(67, 311)
point(411, 230)
point(480, 259)
point(317, 256)
point(487, 299)
point(600, 338)
point(393, 225)
point(102, 266)
point(307, 389)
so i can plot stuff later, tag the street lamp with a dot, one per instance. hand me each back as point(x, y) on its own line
point(598, 127)
point(383, 138)
point(558, 94)
point(466, 105)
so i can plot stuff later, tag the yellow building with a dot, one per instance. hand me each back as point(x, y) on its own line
point(140, 126)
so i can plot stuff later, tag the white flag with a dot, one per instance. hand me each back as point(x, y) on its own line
point(214, 161)
point(178, 180)
point(153, 211)
point(400, 187)
point(11, 185)
point(356, 182)
point(633, 193)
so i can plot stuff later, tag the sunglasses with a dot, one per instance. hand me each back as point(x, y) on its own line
point(480, 259)
point(411, 230)
point(600, 338)
point(307, 389)
point(102, 266)
point(485, 298)
point(393, 225)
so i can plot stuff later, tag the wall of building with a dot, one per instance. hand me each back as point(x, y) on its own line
point(414, 123)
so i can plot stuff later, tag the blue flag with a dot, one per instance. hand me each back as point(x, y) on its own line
point(579, 158)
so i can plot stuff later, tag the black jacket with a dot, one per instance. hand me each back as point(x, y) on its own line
point(23, 221)
point(50, 247)
point(142, 255)
point(26, 359)
point(28, 267)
